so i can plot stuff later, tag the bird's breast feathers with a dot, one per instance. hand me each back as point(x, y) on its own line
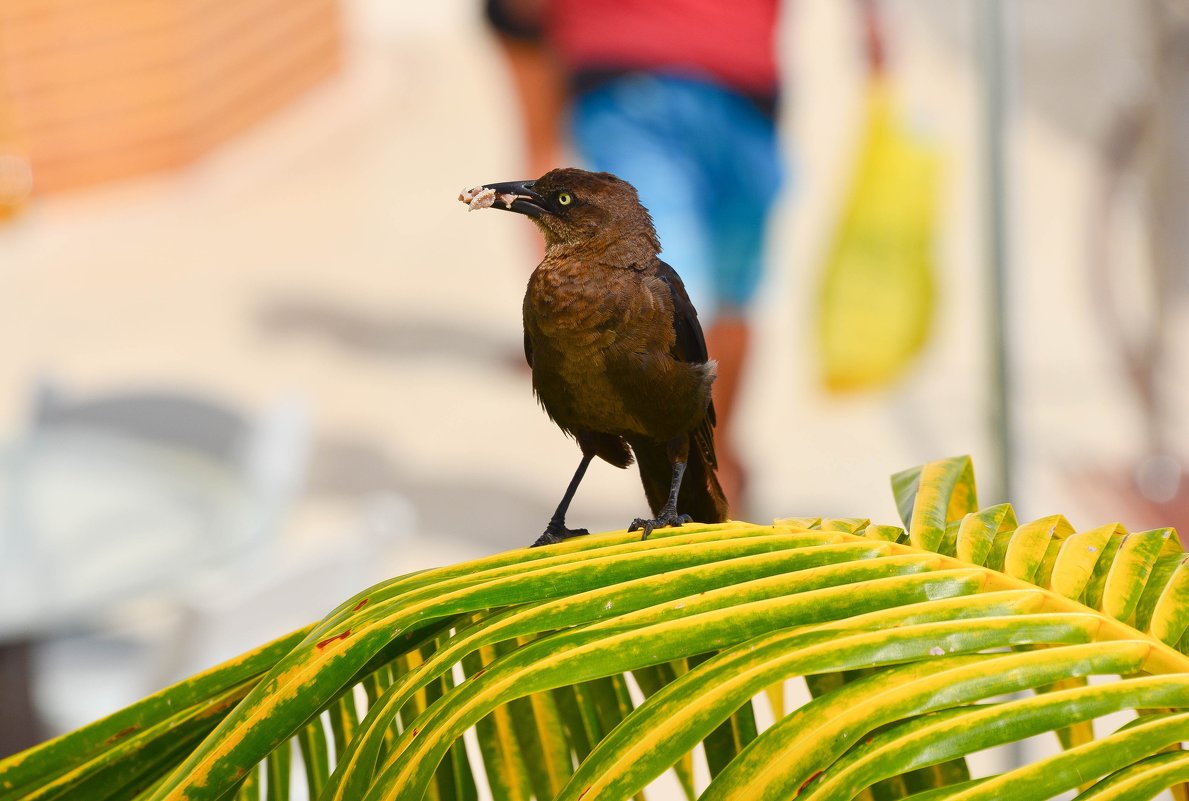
point(600, 306)
point(602, 351)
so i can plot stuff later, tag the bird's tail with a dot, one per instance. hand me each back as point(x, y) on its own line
point(701, 497)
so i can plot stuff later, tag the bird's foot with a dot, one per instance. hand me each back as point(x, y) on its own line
point(665, 518)
point(557, 532)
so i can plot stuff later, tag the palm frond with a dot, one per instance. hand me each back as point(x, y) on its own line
point(910, 637)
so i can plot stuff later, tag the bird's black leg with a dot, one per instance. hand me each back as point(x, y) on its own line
point(556, 531)
point(668, 515)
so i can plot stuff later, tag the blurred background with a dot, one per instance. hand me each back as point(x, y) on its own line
point(254, 355)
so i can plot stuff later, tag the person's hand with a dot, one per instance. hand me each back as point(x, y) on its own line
point(873, 37)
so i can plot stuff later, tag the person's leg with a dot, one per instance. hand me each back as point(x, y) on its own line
point(748, 174)
point(728, 340)
point(682, 144)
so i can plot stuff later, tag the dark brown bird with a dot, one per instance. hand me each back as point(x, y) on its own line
point(617, 354)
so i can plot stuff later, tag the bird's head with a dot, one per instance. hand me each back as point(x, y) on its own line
point(593, 212)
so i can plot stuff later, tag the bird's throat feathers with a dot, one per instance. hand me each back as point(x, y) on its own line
point(632, 249)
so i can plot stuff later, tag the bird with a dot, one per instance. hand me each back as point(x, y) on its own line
point(617, 355)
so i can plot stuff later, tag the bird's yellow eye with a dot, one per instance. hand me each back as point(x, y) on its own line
point(565, 199)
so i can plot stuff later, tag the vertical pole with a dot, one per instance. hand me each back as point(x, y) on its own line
point(991, 24)
point(992, 21)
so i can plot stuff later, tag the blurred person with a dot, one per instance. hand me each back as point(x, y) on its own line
point(538, 82)
point(679, 98)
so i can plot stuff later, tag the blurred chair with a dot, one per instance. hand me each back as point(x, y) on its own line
point(130, 498)
point(220, 619)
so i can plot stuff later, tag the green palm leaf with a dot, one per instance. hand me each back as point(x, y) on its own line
point(910, 638)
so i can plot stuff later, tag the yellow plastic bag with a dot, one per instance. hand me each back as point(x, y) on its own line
point(878, 288)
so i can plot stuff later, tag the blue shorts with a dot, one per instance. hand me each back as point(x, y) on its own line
point(706, 162)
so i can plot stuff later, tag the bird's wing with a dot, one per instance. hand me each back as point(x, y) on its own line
point(528, 350)
point(691, 342)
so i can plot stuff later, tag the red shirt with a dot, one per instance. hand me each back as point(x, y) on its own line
point(730, 41)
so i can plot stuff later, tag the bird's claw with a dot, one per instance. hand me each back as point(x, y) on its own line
point(555, 534)
point(664, 519)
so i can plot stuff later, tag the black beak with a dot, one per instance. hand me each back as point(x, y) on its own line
point(518, 196)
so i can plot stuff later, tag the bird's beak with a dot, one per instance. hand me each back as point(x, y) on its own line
point(518, 196)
